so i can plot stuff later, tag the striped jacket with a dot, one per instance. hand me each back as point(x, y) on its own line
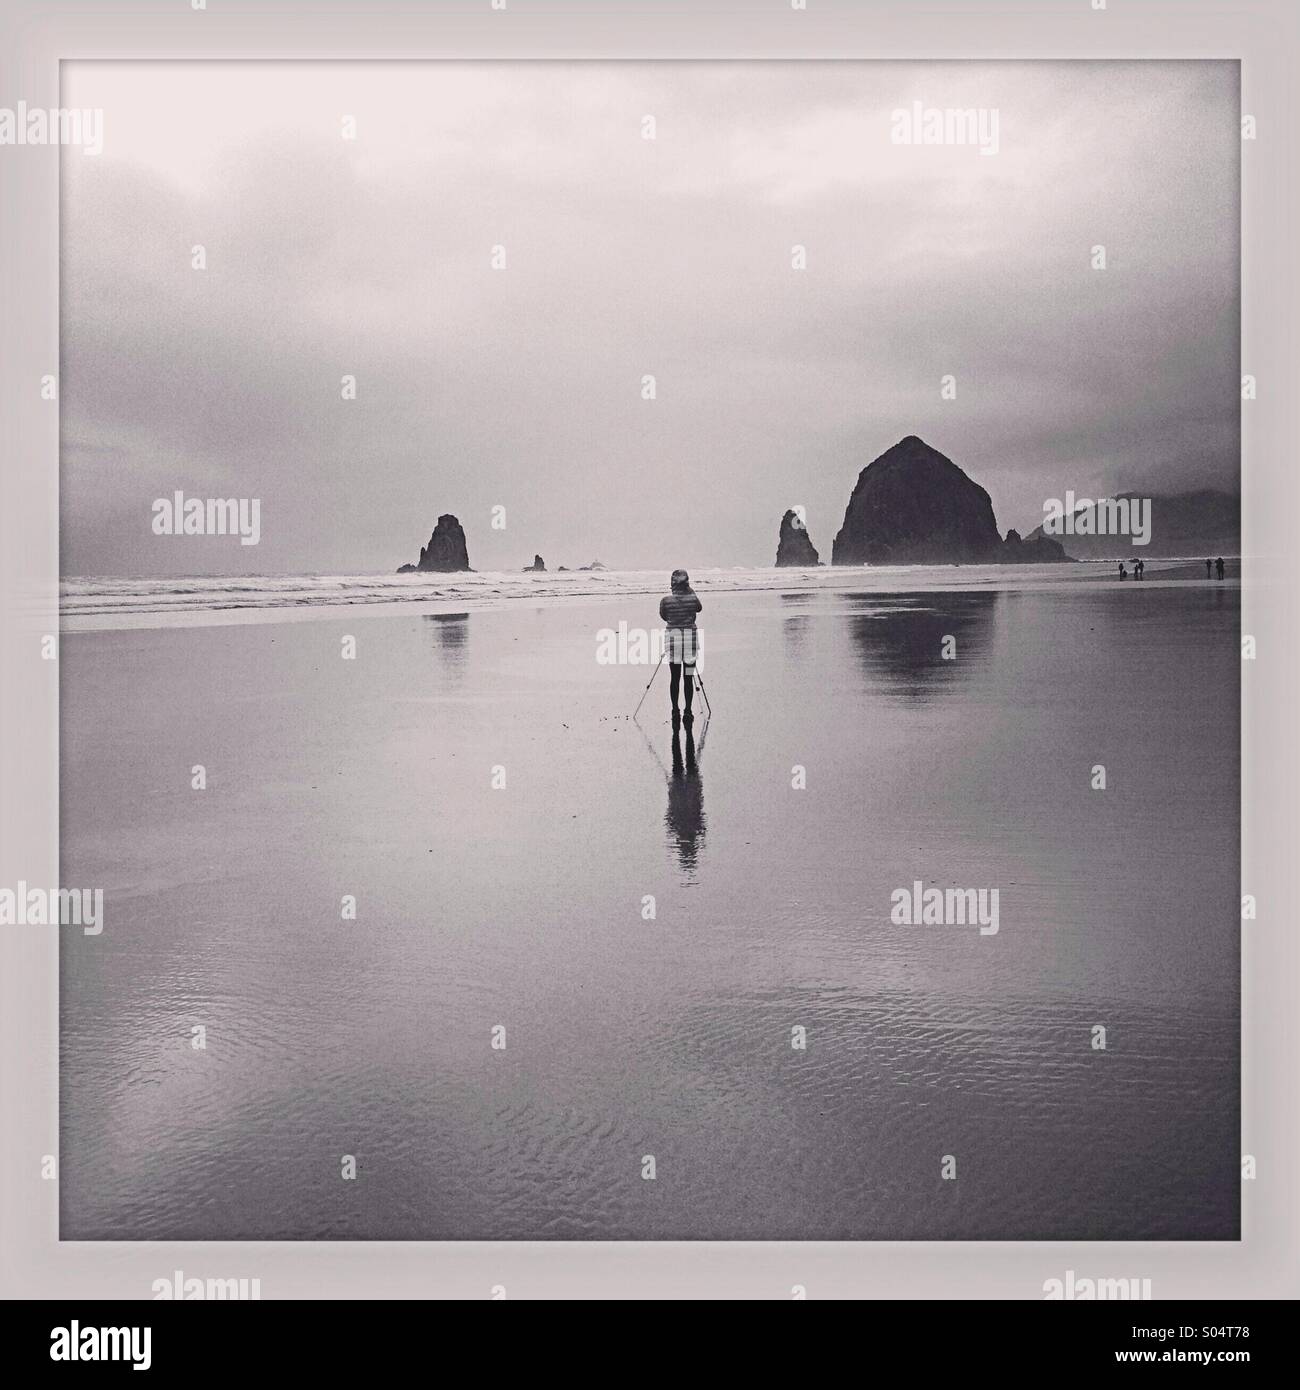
point(679, 610)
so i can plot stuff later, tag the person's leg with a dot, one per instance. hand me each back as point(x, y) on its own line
point(690, 690)
point(674, 683)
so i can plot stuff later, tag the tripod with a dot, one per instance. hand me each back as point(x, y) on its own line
point(699, 685)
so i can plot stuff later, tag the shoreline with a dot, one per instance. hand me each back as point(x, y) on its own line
point(113, 604)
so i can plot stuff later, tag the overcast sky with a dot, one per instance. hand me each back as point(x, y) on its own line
point(625, 257)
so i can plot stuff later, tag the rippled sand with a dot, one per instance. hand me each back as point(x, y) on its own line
point(522, 907)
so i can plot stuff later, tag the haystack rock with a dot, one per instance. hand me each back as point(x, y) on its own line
point(537, 567)
point(446, 551)
point(795, 546)
point(914, 506)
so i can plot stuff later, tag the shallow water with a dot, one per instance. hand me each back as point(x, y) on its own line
point(98, 604)
point(522, 906)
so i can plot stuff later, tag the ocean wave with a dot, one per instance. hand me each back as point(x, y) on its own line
point(87, 602)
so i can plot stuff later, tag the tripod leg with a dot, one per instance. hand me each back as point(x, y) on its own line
point(708, 707)
point(646, 691)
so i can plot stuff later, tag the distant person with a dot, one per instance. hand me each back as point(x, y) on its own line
point(1207, 568)
point(1138, 568)
point(678, 610)
point(1123, 573)
point(1218, 567)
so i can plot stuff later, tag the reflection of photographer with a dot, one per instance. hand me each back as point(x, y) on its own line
point(685, 814)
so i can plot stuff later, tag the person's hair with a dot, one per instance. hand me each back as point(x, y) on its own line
point(681, 581)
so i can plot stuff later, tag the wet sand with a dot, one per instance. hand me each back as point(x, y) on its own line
point(521, 906)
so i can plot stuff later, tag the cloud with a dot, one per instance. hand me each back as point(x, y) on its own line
point(625, 257)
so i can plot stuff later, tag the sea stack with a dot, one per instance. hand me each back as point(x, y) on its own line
point(537, 567)
point(1036, 550)
point(446, 551)
point(914, 506)
point(795, 546)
